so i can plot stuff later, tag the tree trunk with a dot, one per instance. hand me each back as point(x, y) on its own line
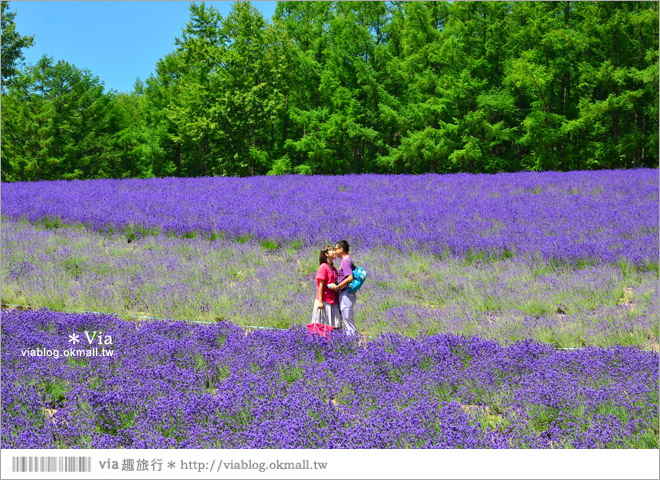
point(318, 80)
point(177, 159)
point(636, 154)
point(644, 136)
point(285, 120)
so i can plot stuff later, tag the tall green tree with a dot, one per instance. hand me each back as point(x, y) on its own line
point(60, 124)
point(424, 139)
point(247, 106)
point(308, 26)
point(194, 112)
point(162, 94)
point(133, 144)
point(352, 87)
point(13, 44)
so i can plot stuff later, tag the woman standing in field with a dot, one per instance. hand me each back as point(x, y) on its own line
point(326, 305)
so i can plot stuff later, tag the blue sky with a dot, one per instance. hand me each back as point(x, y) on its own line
point(117, 41)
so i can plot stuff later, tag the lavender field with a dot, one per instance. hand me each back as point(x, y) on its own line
point(247, 284)
point(601, 216)
point(174, 384)
point(478, 285)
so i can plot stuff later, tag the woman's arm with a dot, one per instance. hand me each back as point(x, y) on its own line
point(319, 294)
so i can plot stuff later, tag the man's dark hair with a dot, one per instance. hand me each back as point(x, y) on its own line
point(343, 244)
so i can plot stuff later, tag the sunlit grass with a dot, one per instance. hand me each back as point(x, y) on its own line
point(252, 284)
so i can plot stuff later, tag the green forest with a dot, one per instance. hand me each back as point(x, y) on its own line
point(350, 87)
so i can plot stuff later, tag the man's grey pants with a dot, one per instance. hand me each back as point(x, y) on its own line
point(347, 308)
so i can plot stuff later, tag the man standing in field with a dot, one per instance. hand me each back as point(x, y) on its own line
point(344, 277)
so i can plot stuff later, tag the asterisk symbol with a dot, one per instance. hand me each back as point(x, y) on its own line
point(73, 338)
point(171, 465)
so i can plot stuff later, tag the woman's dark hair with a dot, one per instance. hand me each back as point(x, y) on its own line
point(343, 244)
point(323, 256)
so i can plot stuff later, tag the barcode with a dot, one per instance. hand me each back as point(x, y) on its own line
point(51, 464)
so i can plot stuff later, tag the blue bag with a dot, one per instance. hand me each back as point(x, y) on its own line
point(359, 276)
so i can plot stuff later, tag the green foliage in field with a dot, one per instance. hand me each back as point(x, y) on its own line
point(351, 87)
point(255, 284)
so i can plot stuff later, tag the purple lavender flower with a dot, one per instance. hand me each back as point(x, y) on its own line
point(181, 385)
point(600, 216)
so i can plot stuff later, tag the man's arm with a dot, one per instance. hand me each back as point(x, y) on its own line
point(343, 283)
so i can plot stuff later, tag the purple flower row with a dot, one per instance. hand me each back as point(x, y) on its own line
point(602, 216)
point(172, 384)
point(70, 269)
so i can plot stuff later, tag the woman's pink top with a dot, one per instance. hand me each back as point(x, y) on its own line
point(327, 275)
